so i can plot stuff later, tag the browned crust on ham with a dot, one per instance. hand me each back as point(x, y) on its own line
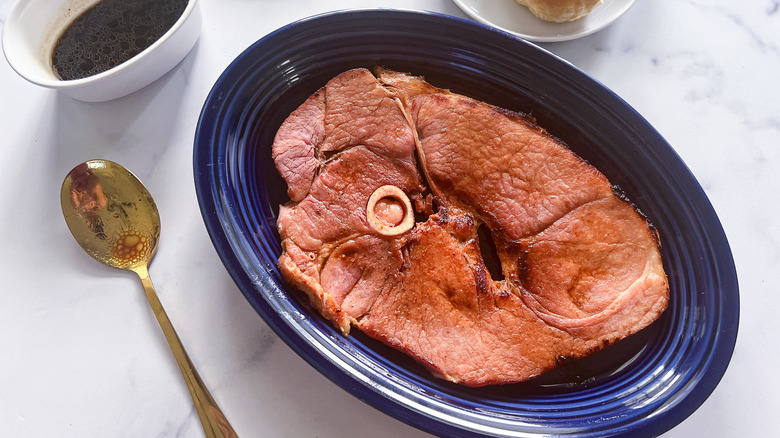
point(581, 267)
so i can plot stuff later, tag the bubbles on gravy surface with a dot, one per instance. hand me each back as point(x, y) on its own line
point(110, 33)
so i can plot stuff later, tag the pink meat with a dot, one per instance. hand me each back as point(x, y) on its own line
point(581, 267)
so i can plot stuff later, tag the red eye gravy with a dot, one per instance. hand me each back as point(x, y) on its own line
point(112, 32)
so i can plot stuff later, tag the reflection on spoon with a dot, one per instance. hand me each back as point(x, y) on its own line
point(87, 197)
point(115, 220)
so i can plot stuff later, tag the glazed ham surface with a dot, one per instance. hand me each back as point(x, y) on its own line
point(580, 267)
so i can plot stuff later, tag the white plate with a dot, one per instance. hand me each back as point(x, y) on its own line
point(512, 17)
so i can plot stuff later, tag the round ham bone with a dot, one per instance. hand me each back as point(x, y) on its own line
point(389, 211)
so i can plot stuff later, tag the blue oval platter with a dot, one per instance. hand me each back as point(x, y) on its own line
point(642, 386)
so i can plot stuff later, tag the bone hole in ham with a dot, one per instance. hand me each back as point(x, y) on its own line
point(389, 211)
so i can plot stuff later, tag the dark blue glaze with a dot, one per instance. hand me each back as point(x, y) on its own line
point(642, 386)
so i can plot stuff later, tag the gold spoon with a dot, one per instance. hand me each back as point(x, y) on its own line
point(114, 218)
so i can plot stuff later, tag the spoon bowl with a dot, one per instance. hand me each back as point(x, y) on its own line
point(111, 214)
point(115, 220)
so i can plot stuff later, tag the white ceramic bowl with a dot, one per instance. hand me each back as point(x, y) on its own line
point(34, 26)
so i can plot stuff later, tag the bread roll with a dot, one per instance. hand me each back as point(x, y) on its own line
point(560, 11)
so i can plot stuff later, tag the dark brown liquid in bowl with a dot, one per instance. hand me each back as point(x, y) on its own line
point(110, 33)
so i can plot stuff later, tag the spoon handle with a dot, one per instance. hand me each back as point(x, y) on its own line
point(215, 425)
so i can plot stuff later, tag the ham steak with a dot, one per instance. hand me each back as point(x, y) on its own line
point(395, 186)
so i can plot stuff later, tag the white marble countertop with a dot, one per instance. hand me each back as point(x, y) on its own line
point(81, 354)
